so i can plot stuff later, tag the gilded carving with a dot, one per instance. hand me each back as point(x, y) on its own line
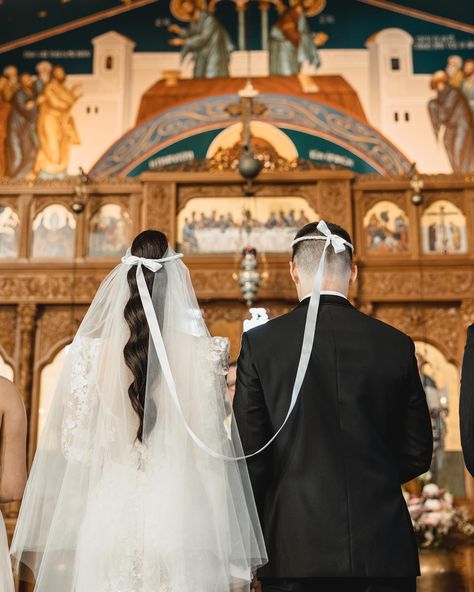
point(27, 323)
point(467, 313)
point(160, 208)
point(56, 325)
point(371, 198)
point(434, 324)
point(405, 283)
point(7, 330)
point(335, 203)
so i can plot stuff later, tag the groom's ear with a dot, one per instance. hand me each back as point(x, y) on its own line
point(354, 273)
point(294, 273)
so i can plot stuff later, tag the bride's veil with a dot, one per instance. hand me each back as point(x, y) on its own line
point(104, 512)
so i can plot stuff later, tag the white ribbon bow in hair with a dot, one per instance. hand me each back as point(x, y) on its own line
point(151, 264)
point(338, 243)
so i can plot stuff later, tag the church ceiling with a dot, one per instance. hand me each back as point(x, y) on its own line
point(62, 30)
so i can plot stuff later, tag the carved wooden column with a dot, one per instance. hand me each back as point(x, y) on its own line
point(24, 207)
point(160, 208)
point(335, 202)
point(25, 348)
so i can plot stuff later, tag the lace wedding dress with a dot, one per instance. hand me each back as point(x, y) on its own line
point(104, 512)
point(115, 529)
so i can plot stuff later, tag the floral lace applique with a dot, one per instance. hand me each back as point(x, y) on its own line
point(79, 409)
point(219, 354)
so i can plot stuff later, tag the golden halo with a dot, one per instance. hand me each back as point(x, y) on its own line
point(179, 13)
point(316, 7)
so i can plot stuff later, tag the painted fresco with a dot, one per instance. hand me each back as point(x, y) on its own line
point(9, 232)
point(109, 232)
point(81, 82)
point(215, 225)
point(386, 229)
point(444, 229)
point(53, 233)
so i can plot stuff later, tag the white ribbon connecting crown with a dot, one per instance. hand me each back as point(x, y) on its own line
point(338, 243)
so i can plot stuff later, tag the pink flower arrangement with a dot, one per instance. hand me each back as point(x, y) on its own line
point(434, 517)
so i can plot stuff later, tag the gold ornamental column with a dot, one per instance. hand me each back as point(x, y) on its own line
point(26, 325)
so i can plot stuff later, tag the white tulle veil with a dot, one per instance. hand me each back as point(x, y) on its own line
point(103, 512)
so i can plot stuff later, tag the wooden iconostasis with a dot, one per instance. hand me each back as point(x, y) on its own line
point(416, 265)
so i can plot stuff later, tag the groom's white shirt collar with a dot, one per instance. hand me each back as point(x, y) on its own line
point(326, 293)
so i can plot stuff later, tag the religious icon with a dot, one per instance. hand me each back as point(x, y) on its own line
point(205, 39)
point(386, 229)
point(444, 229)
point(450, 111)
point(9, 230)
point(109, 232)
point(215, 225)
point(56, 128)
point(22, 137)
point(54, 232)
point(292, 44)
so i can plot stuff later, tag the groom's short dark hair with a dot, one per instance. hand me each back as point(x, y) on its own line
point(306, 254)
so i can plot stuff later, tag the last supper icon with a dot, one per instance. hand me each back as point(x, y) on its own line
point(217, 225)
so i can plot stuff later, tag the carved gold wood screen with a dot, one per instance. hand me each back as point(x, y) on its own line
point(416, 263)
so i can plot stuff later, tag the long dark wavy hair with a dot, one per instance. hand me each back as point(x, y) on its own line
point(150, 244)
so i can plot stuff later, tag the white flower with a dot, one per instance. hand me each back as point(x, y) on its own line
point(448, 498)
point(431, 490)
point(433, 519)
point(433, 505)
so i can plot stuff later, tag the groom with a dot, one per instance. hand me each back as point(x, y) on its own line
point(328, 490)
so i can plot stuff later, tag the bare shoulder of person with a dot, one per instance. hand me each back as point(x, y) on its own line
point(13, 442)
point(10, 398)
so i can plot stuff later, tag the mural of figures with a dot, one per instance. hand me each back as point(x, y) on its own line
point(214, 225)
point(54, 233)
point(8, 86)
point(205, 39)
point(444, 229)
point(9, 230)
point(22, 139)
point(386, 229)
point(43, 71)
point(441, 383)
point(292, 44)
point(36, 126)
point(4, 112)
point(467, 86)
point(450, 110)
point(145, 59)
point(56, 129)
point(109, 232)
point(454, 70)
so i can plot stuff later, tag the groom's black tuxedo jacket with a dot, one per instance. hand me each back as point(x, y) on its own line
point(328, 489)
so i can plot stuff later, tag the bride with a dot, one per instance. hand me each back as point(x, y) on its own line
point(132, 489)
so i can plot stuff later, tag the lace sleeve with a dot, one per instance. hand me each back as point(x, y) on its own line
point(219, 355)
point(81, 404)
